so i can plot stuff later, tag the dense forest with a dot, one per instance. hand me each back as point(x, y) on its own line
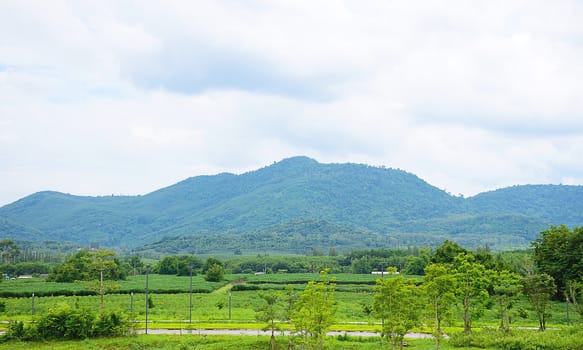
point(293, 206)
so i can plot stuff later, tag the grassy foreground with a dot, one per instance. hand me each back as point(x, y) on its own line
point(184, 342)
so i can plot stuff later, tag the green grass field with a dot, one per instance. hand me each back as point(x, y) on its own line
point(211, 310)
point(184, 342)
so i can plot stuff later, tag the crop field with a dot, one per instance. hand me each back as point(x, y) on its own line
point(230, 304)
point(171, 299)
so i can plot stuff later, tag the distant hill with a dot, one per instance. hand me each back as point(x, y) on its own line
point(352, 203)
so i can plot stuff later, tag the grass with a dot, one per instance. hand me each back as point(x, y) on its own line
point(156, 284)
point(198, 342)
point(210, 311)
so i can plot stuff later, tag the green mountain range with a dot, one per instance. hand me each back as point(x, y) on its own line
point(293, 206)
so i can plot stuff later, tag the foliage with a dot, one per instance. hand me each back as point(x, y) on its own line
point(539, 289)
point(25, 268)
point(520, 340)
point(472, 282)
point(574, 295)
point(64, 322)
point(269, 312)
point(558, 252)
point(315, 308)
point(397, 301)
point(215, 273)
point(506, 286)
point(178, 265)
point(8, 250)
point(439, 287)
point(296, 201)
point(447, 252)
point(88, 265)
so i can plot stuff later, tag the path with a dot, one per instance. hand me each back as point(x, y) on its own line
point(256, 332)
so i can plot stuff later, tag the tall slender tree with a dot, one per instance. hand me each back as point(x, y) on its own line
point(396, 300)
point(506, 286)
point(539, 288)
point(439, 285)
point(270, 312)
point(472, 282)
point(315, 309)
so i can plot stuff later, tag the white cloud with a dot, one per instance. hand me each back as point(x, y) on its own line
point(125, 97)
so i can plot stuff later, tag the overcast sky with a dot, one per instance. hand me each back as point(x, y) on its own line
point(125, 97)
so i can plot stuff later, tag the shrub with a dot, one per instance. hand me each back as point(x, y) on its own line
point(215, 273)
point(111, 324)
point(64, 322)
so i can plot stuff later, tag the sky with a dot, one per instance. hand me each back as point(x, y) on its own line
point(126, 97)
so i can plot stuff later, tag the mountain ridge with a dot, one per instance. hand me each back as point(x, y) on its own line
point(365, 198)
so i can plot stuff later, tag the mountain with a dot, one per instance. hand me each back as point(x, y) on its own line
point(287, 198)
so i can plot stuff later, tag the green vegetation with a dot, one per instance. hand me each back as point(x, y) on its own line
point(463, 293)
point(398, 302)
point(296, 206)
point(314, 310)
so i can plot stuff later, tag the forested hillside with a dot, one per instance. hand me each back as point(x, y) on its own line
point(296, 200)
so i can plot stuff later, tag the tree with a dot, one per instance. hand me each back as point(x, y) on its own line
point(574, 295)
point(270, 312)
point(506, 286)
point(396, 300)
point(179, 265)
point(215, 273)
point(8, 250)
point(559, 253)
point(314, 310)
point(439, 285)
point(472, 281)
point(289, 299)
point(210, 262)
point(538, 289)
point(447, 251)
point(135, 264)
point(104, 262)
point(83, 266)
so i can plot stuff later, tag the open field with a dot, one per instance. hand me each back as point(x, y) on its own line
point(171, 300)
point(177, 342)
point(211, 311)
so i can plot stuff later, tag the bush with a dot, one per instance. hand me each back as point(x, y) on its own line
point(109, 325)
point(215, 273)
point(64, 322)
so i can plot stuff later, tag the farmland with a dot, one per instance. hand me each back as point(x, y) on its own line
point(210, 310)
point(476, 299)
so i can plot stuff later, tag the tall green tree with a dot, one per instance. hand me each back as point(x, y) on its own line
point(472, 282)
point(558, 252)
point(215, 273)
point(88, 265)
point(439, 284)
point(314, 310)
point(574, 295)
point(8, 250)
point(396, 300)
point(102, 261)
point(538, 289)
point(289, 299)
point(269, 312)
point(506, 286)
point(447, 251)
